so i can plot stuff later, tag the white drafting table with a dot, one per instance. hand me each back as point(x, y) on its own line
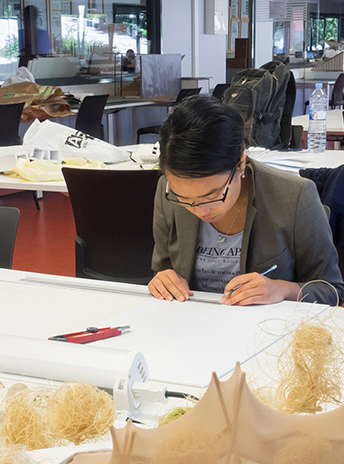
point(261, 371)
point(16, 183)
point(41, 305)
point(193, 338)
point(297, 159)
point(334, 122)
point(293, 161)
point(12, 183)
point(334, 125)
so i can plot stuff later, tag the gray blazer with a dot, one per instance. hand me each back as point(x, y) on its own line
point(286, 224)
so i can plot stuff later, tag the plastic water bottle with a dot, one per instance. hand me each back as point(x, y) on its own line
point(317, 120)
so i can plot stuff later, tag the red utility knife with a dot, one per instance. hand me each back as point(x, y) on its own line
point(91, 334)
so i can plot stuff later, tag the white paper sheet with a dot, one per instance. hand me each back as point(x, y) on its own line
point(184, 342)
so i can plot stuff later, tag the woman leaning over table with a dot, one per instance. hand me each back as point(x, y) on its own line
point(222, 219)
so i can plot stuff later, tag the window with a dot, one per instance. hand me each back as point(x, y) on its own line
point(93, 35)
point(307, 29)
point(321, 30)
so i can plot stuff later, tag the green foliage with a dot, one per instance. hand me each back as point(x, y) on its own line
point(69, 42)
point(69, 45)
point(8, 11)
point(331, 29)
point(143, 31)
point(91, 16)
point(323, 30)
point(11, 48)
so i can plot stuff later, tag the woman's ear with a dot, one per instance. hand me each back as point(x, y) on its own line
point(242, 163)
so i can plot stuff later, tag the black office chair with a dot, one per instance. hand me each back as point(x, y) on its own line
point(219, 90)
point(9, 129)
point(113, 213)
point(337, 92)
point(330, 185)
point(9, 124)
point(296, 137)
point(337, 98)
point(89, 118)
point(156, 129)
point(9, 218)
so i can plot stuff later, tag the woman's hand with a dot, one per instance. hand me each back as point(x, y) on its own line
point(167, 285)
point(257, 289)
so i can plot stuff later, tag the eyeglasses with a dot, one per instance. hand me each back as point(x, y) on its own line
point(204, 204)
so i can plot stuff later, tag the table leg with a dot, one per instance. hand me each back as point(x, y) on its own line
point(110, 123)
point(328, 95)
point(134, 124)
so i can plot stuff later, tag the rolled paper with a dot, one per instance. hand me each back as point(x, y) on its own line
point(61, 360)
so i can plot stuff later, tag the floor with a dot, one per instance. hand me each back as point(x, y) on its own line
point(45, 238)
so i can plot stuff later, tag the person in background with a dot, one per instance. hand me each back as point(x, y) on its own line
point(129, 61)
point(221, 220)
point(32, 40)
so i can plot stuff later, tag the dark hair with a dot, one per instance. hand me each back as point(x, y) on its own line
point(201, 137)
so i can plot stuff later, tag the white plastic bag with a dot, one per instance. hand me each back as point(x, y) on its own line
point(50, 137)
point(22, 75)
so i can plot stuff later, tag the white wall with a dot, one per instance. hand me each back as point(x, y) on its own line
point(263, 41)
point(183, 32)
point(212, 52)
point(176, 31)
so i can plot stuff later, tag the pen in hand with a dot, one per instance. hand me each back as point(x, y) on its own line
point(272, 268)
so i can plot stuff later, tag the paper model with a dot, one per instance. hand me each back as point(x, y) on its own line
point(229, 425)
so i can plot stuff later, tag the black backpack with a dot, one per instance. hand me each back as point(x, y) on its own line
point(266, 97)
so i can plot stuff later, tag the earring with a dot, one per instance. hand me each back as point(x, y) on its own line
point(243, 174)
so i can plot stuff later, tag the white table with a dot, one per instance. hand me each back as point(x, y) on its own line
point(43, 306)
point(309, 84)
point(16, 183)
point(112, 107)
point(39, 306)
point(334, 121)
point(293, 161)
point(12, 183)
point(334, 125)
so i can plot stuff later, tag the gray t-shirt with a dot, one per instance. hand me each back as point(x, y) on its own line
point(217, 259)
